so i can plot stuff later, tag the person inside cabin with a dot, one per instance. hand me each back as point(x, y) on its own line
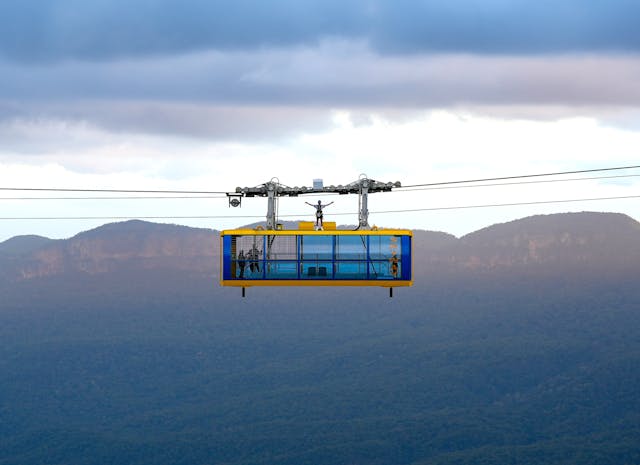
point(242, 263)
point(254, 262)
point(394, 266)
point(251, 260)
point(319, 208)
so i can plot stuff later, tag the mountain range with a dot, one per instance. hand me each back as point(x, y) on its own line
point(518, 344)
point(607, 241)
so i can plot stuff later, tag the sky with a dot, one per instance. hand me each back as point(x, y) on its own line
point(209, 95)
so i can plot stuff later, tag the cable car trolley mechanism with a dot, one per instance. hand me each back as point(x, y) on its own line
point(315, 254)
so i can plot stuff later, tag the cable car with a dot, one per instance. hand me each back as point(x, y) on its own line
point(315, 254)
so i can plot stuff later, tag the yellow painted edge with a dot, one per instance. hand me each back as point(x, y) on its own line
point(298, 232)
point(332, 282)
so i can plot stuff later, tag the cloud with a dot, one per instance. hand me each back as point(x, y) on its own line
point(196, 94)
point(507, 27)
point(42, 30)
point(33, 128)
point(436, 146)
point(45, 31)
point(269, 94)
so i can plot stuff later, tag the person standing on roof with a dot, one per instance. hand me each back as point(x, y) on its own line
point(319, 208)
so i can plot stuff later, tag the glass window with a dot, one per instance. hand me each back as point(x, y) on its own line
point(351, 248)
point(247, 259)
point(385, 269)
point(282, 248)
point(384, 247)
point(251, 247)
point(244, 251)
point(316, 247)
point(351, 270)
point(282, 270)
point(253, 269)
point(317, 270)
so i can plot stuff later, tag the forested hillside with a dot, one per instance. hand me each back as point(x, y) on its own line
point(483, 361)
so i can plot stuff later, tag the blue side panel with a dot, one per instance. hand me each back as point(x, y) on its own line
point(406, 258)
point(226, 257)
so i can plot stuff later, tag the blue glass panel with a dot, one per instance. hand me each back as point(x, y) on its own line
point(384, 247)
point(244, 269)
point(379, 270)
point(351, 248)
point(385, 269)
point(282, 248)
point(351, 270)
point(243, 257)
point(316, 247)
point(282, 270)
point(317, 270)
point(254, 270)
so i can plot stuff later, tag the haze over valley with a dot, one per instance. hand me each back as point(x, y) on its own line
point(518, 343)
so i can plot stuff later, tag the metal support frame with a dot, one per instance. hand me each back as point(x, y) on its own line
point(363, 213)
point(273, 189)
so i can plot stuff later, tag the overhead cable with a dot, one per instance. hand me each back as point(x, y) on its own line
point(113, 191)
point(455, 207)
point(514, 204)
point(322, 194)
point(184, 192)
point(518, 183)
point(133, 197)
point(522, 176)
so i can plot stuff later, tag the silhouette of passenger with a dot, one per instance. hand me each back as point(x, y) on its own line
point(254, 259)
point(242, 263)
point(394, 266)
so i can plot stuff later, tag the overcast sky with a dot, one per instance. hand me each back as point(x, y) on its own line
point(210, 95)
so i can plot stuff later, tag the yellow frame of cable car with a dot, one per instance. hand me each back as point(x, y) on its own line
point(306, 229)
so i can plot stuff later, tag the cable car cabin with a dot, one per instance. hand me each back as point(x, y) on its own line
point(306, 257)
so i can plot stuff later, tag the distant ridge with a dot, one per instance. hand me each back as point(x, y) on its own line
point(137, 226)
point(599, 242)
point(569, 238)
point(20, 245)
point(114, 247)
point(588, 223)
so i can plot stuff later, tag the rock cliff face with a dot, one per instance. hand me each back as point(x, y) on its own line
point(570, 239)
point(589, 240)
point(132, 245)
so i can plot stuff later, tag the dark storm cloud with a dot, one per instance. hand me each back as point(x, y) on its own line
point(46, 30)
